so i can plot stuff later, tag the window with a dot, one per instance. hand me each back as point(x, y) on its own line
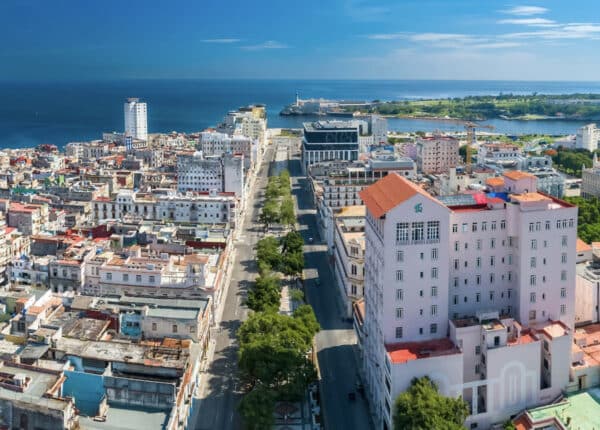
point(563, 275)
point(474, 227)
point(126, 277)
point(564, 241)
point(433, 291)
point(531, 315)
point(530, 226)
point(352, 270)
point(484, 226)
point(456, 246)
point(563, 309)
point(492, 260)
point(433, 309)
point(478, 279)
point(532, 262)
point(399, 294)
point(434, 273)
point(454, 228)
point(154, 326)
point(455, 282)
point(547, 225)
point(109, 276)
point(509, 258)
point(420, 293)
point(456, 264)
point(478, 262)
point(400, 256)
point(399, 313)
point(417, 231)
point(174, 328)
point(478, 243)
point(502, 224)
point(532, 280)
point(433, 328)
point(533, 244)
point(563, 292)
point(492, 277)
point(433, 230)
point(477, 297)
point(493, 225)
point(545, 244)
point(571, 223)
point(477, 349)
point(402, 232)
point(465, 227)
point(532, 297)
point(399, 275)
point(563, 258)
point(422, 255)
point(420, 330)
point(492, 243)
point(398, 332)
point(151, 279)
point(455, 300)
point(538, 226)
point(434, 253)
point(491, 296)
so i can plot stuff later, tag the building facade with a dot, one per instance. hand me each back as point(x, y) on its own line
point(587, 137)
point(136, 119)
point(198, 173)
point(437, 154)
point(494, 271)
point(329, 140)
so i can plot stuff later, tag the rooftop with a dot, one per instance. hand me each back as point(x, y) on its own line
point(581, 410)
point(389, 192)
point(517, 175)
point(582, 246)
point(402, 352)
point(119, 418)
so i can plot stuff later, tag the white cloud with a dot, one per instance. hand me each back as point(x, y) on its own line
point(532, 22)
point(563, 31)
point(526, 10)
point(220, 40)
point(269, 44)
point(387, 36)
point(440, 37)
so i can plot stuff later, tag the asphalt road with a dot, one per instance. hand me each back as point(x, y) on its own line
point(336, 342)
point(220, 391)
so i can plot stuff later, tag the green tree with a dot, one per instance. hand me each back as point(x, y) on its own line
point(257, 407)
point(265, 294)
point(293, 263)
point(292, 242)
point(287, 214)
point(269, 213)
point(267, 252)
point(273, 352)
point(422, 407)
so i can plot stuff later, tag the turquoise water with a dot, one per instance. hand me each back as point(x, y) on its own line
point(60, 112)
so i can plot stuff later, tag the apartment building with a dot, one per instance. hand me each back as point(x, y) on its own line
point(348, 250)
point(498, 152)
point(476, 291)
point(329, 140)
point(28, 218)
point(437, 154)
point(213, 143)
point(195, 172)
point(204, 207)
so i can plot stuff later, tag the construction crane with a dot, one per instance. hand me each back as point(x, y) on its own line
point(472, 140)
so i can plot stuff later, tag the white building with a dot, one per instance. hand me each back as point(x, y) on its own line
point(587, 137)
point(136, 119)
point(590, 180)
point(437, 154)
point(379, 129)
point(498, 153)
point(205, 208)
point(348, 251)
point(504, 263)
point(213, 143)
point(222, 174)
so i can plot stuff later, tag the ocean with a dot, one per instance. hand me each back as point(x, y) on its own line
point(62, 112)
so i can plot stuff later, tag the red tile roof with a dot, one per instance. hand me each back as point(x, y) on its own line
point(389, 192)
point(582, 246)
point(407, 351)
point(516, 175)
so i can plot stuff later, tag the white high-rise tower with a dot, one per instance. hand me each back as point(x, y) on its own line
point(136, 119)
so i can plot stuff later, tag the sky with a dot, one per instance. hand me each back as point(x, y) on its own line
point(308, 39)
